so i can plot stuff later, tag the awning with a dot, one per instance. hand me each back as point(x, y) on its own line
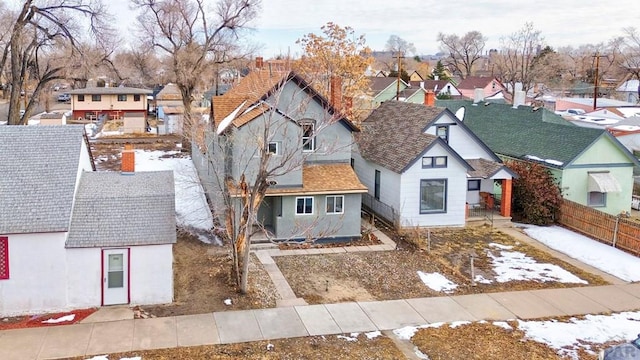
point(603, 182)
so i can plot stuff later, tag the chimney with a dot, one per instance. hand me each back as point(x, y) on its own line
point(421, 84)
point(518, 99)
point(128, 160)
point(335, 90)
point(478, 95)
point(430, 98)
point(259, 62)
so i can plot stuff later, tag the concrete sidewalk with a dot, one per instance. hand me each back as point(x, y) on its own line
point(285, 322)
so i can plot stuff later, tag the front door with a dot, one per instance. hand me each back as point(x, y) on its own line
point(115, 276)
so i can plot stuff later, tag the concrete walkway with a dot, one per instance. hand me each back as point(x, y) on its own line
point(292, 318)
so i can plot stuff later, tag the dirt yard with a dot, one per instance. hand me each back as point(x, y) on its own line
point(394, 274)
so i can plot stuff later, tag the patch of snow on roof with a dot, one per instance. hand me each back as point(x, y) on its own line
point(626, 127)
point(437, 282)
point(554, 162)
point(533, 157)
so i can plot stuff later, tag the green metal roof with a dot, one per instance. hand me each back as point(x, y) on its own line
point(523, 133)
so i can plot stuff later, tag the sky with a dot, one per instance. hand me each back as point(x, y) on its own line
point(562, 23)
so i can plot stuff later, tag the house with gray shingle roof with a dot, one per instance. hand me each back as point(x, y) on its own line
point(591, 166)
point(71, 237)
point(313, 193)
point(423, 166)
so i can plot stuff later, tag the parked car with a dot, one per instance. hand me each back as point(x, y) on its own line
point(630, 350)
point(64, 97)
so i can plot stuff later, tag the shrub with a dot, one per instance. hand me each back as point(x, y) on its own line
point(536, 195)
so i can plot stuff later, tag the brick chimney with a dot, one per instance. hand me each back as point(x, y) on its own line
point(259, 62)
point(335, 89)
point(128, 160)
point(430, 98)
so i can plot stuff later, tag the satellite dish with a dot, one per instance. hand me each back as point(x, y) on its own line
point(460, 113)
point(228, 119)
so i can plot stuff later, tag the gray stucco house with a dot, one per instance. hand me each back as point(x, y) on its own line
point(314, 194)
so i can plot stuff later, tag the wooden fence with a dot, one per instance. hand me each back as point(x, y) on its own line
point(622, 233)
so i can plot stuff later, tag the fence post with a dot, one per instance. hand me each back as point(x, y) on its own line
point(615, 231)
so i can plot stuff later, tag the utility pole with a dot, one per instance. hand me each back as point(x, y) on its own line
point(595, 81)
point(399, 73)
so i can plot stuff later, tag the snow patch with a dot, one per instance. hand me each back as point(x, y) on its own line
point(601, 256)
point(60, 319)
point(227, 302)
point(373, 334)
point(437, 282)
point(517, 266)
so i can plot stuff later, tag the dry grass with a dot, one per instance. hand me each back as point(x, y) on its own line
point(393, 274)
point(311, 348)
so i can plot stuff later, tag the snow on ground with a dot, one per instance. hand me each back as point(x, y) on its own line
point(601, 256)
point(60, 319)
point(437, 282)
point(192, 210)
point(564, 337)
point(517, 266)
point(567, 337)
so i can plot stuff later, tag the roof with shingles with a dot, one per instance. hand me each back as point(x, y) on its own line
point(259, 85)
point(380, 83)
point(483, 168)
point(472, 82)
point(114, 209)
point(40, 165)
point(393, 134)
point(110, 91)
point(522, 131)
point(332, 178)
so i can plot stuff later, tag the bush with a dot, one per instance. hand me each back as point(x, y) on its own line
point(536, 195)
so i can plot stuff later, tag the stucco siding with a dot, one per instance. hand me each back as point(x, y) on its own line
point(575, 182)
point(603, 151)
point(38, 270)
point(151, 274)
point(84, 277)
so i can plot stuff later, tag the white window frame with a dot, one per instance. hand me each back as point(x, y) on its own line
point(335, 198)
point(305, 198)
point(308, 142)
point(277, 144)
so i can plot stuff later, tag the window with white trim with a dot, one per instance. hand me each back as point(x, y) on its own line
point(433, 196)
point(335, 204)
point(304, 205)
point(434, 162)
point(274, 148)
point(308, 136)
point(4, 258)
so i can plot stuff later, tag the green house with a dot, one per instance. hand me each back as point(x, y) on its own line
point(591, 166)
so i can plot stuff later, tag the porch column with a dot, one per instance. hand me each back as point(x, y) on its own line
point(505, 203)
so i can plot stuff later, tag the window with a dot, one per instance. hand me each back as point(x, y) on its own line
point(308, 138)
point(433, 196)
point(442, 132)
point(4, 258)
point(335, 204)
point(304, 205)
point(122, 97)
point(136, 97)
point(597, 199)
point(376, 187)
point(80, 98)
point(274, 148)
point(96, 97)
point(473, 185)
point(434, 162)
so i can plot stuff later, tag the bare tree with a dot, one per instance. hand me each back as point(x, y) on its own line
point(258, 142)
point(463, 51)
point(39, 29)
point(630, 52)
point(515, 61)
point(192, 35)
point(397, 44)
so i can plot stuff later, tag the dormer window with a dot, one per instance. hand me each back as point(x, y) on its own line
point(442, 131)
point(308, 136)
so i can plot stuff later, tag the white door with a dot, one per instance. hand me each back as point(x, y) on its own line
point(115, 282)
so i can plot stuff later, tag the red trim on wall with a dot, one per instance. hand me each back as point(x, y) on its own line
point(4, 247)
point(102, 279)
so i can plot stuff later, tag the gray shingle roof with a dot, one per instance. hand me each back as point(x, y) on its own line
point(39, 166)
point(113, 209)
point(483, 168)
point(393, 135)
